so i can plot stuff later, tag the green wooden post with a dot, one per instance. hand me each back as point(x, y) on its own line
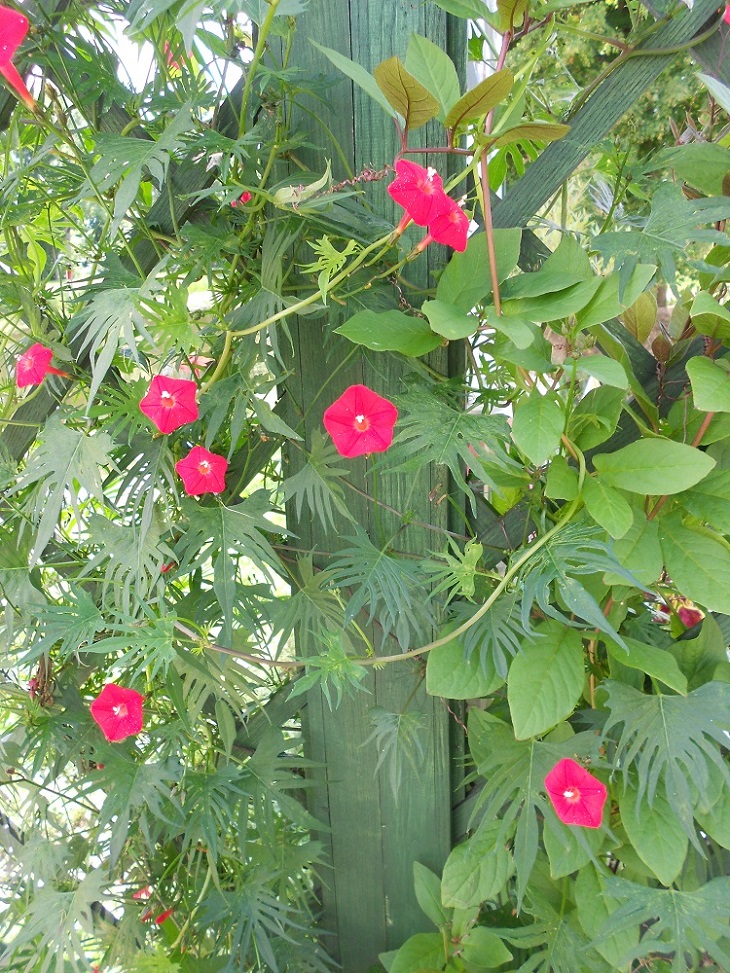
point(367, 894)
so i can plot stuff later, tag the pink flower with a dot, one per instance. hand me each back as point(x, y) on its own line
point(13, 28)
point(450, 227)
point(168, 567)
point(172, 62)
point(244, 198)
point(577, 796)
point(726, 15)
point(170, 402)
point(144, 893)
point(202, 472)
point(34, 364)
point(689, 616)
point(118, 711)
point(360, 421)
point(419, 191)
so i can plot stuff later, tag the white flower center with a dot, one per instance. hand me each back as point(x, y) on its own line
point(120, 709)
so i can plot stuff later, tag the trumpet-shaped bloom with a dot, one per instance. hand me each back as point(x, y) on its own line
point(360, 421)
point(726, 15)
point(170, 402)
point(202, 472)
point(450, 226)
point(118, 711)
point(13, 28)
point(419, 191)
point(33, 366)
point(577, 796)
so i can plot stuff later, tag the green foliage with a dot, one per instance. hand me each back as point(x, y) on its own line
point(540, 547)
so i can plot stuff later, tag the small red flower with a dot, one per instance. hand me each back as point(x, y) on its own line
point(419, 191)
point(163, 915)
point(577, 796)
point(144, 893)
point(450, 226)
point(33, 685)
point(170, 402)
point(726, 15)
point(244, 198)
point(360, 421)
point(202, 472)
point(689, 616)
point(168, 567)
point(118, 711)
point(34, 364)
point(172, 62)
point(13, 28)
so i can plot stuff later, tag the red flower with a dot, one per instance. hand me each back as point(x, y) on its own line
point(689, 616)
point(360, 421)
point(35, 363)
point(726, 15)
point(170, 402)
point(577, 796)
point(450, 227)
point(168, 567)
point(244, 198)
point(13, 28)
point(163, 915)
point(202, 472)
point(118, 711)
point(419, 191)
point(172, 62)
point(144, 893)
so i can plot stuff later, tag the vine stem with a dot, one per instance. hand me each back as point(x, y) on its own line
point(255, 61)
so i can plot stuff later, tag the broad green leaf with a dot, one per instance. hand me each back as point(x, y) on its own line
point(709, 500)
point(607, 507)
point(671, 738)
point(483, 949)
point(639, 550)
point(466, 281)
point(606, 370)
point(449, 321)
point(521, 333)
point(561, 482)
point(710, 385)
point(450, 675)
point(511, 13)
point(554, 305)
point(358, 74)
point(657, 663)
point(427, 63)
point(640, 318)
point(653, 466)
point(409, 97)
point(477, 869)
point(537, 426)
point(595, 417)
point(569, 848)
point(545, 680)
point(716, 820)
point(698, 658)
point(614, 295)
point(698, 564)
point(594, 907)
point(719, 91)
point(481, 99)
point(535, 131)
point(655, 832)
point(424, 951)
point(710, 317)
point(466, 9)
point(703, 165)
point(390, 331)
point(428, 894)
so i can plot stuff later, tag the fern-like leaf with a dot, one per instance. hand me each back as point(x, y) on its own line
point(674, 921)
point(317, 483)
point(391, 588)
point(397, 737)
point(66, 464)
point(671, 738)
point(431, 431)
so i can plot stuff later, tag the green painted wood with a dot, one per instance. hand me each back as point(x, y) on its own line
point(367, 893)
point(612, 99)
